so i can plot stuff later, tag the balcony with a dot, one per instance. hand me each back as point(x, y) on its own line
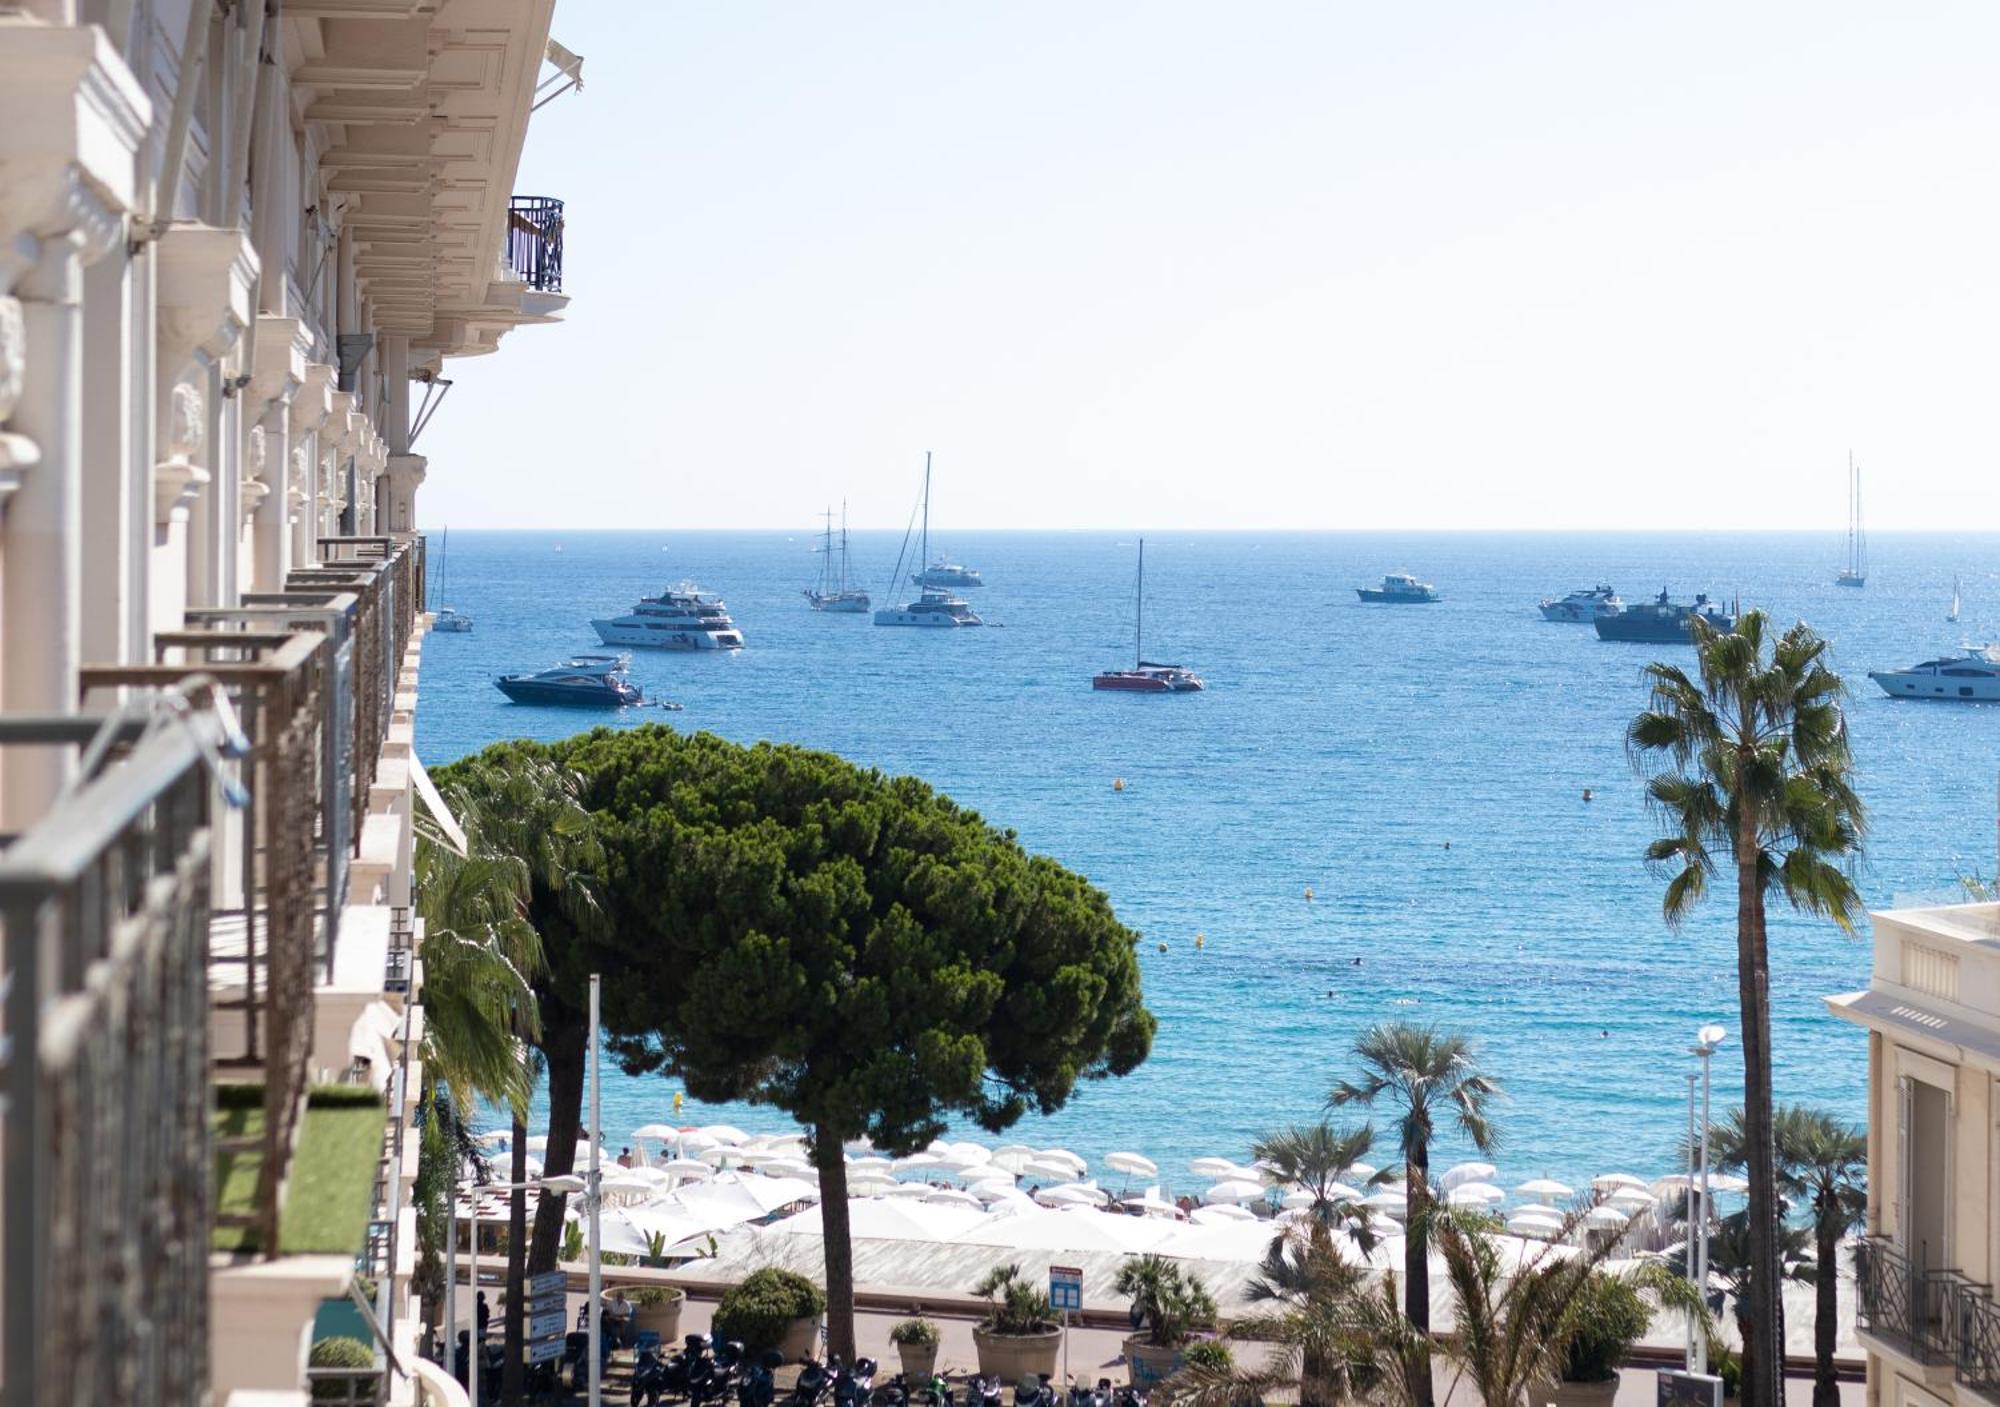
point(1935, 1318)
point(535, 241)
point(104, 916)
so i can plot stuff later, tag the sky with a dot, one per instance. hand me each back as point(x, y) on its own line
point(1142, 263)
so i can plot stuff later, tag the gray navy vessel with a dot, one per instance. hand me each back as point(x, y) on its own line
point(1661, 621)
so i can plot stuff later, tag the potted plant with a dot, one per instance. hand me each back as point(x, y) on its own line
point(1605, 1319)
point(656, 1248)
point(772, 1308)
point(1019, 1335)
point(916, 1343)
point(1168, 1307)
point(355, 1356)
point(657, 1307)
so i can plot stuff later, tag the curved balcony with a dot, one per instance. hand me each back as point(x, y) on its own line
point(535, 241)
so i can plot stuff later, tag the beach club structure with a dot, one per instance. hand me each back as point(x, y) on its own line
point(1926, 1312)
point(243, 246)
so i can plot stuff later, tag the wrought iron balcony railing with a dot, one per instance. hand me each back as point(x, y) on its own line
point(262, 940)
point(1975, 1319)
point(535, 241)
point(1914, 1310)
point(104, 917)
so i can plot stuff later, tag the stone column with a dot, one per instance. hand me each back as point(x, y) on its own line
point(405, 477)
point(206, 277)
point(72, 117)
point(275, 379)
point(311, 405)
point(337, 439)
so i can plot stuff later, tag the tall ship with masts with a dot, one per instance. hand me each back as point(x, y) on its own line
point(1855, 573)
point(935, 607)
point(1147, 676)
point(831, 593)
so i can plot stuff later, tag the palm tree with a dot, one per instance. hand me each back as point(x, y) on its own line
point(1312, 1157)
point(1730, 1261)
point(1755, 766)
point(1427, 1075)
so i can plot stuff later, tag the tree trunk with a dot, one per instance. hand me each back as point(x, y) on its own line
point(1763, 1357)
point(517, 1261)
point(563, 1053)
point(832, 1165)
point(1826, 1314)
point(1417, 1266)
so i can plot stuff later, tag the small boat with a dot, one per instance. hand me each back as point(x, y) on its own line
point(1661, 621)
point(1147, 676)
point(679, 618)
point(831, 593)
point(450, 621)
point(1400, 589)
point(1952, 614)
point(935, 606)
point(581, 681)
point(1855, 573)
point(949, 575)
point(1970, 676)
point(1580, 607)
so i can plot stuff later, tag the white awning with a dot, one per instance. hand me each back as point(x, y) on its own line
point(427, 792)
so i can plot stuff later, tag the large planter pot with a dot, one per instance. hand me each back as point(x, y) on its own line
point(919, 1361)
point(801, 1341)
point(1011, 1357)
point(1148, 1365)
point(662, 1319)
point(1581, 1394)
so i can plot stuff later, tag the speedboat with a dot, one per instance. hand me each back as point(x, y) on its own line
point(931, 608)
point(679, 618)
point(581, 681)
point(1581, 607)
point(1400, 589)
point(1972, 675)
point(452, 622)
point(1661, 621)
point(951, 576)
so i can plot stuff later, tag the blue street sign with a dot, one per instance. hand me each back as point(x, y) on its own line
point(554, 1282)
point(545, 1350)
point(1066, 1287)
point(555, 1322)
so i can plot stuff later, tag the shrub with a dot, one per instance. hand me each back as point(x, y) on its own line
point(1605, 1319)
point(1018, 1306)
point(572, 1246)
point(1210, 1356)
point(652, 1296)
point(1166, 1304)
point(915, 1331)
point(757, 1312)
point(352, 1354)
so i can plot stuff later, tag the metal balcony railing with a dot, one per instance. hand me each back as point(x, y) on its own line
point(535, 241)
point(262, 940)
point(1975, 1335)
point(104, 924)
point(1913, 1310)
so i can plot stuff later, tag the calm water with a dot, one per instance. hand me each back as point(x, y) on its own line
point(1420, 769)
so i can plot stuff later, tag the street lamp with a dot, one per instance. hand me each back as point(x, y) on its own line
point(565, 1183)
point(1706, 1042)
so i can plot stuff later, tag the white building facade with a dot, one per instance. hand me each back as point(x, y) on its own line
point(241, 244)
point(1926, 1311)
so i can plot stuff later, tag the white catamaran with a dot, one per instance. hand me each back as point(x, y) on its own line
point(832, 593)
point(935, 606)
point(1855, 573)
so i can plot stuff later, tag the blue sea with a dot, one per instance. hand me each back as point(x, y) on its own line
point(1420, 770)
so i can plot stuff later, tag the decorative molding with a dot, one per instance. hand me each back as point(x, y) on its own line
point(279, 368)
point(17, 452)
point(205, 279)
point(313, 401)
point(256, 451)
point(179, 479)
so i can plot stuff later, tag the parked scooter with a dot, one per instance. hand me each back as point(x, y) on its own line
point(812, 1385)
point(852, 1386)
point(982, 1392)
point(1031, 1391)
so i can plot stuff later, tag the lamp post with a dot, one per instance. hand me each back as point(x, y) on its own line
point(592, 1203)
point(1706, 1042)
point(1694, 1346)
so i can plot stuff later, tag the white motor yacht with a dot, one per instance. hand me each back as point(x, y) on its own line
point(932, 608)
point(1580, 607)
point(1970, 676)
point(679, 618)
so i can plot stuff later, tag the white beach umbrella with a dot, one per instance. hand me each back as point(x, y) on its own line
point(1344, 1192)
point(1389, 1199)
point(951, 1197)
point(691, 1141)
point(916, 1190)
point(724, 1133)
point(969, 1153)
point(791, 1167)
point(1544, 1187)
point(1604, 1218)
point(1537, 1209)
point(917, 1162)
point(1360, 1172)
point(1075, 1161)
point(658, 1133)
point(1013, 1157)
point(1049, 1167)
point(875, 1186)
point(1631, 1199)
point(992, 1189)
point(1213, 1167)
point(1462, 1173)
point(1136, 1164)
point(1151, 1203)
point(1540, 1228)
point(1483, 1194)
point(538, 1143)
point(1087, 1192)
point(686, 1168)
point(1611, 1182)
point(1209, 1216)
point(1727, 1182)
point(1672, 1182)
point(873, 1162)
point(1233, 1189)
point(1068, 1194)
point(1297, 1200)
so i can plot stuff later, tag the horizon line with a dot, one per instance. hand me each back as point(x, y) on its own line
point(1299, 531)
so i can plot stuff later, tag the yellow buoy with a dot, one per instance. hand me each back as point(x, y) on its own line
point(1118, 784)
point(677, 1101)
point(1309, 894)
point(1199, 940)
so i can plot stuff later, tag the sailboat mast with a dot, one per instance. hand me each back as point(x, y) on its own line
point(924, 560)
point(843, 547)
point(1139, 623)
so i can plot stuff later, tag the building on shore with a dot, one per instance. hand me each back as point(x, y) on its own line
point(1925, 1307)
point(237, 239)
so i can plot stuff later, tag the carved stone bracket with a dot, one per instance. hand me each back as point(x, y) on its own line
point(283, 347)
point(179, 478)
point(256, 452)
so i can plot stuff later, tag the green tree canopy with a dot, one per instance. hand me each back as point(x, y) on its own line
point(855, 949)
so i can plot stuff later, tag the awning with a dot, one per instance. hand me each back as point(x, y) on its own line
point(1921, 1027)
point(427, 792)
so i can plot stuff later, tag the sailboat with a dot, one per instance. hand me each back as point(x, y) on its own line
point(450, 621)
point(935, 606)
point(832, 593)
point(1952, 615)
point(1855, 573)
point(1146, 676)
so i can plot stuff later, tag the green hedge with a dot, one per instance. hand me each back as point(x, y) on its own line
point(757, 1312)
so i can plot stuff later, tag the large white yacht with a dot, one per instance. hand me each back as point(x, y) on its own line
point(679, 618)
point(1581, 606)
point(1972, 675)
